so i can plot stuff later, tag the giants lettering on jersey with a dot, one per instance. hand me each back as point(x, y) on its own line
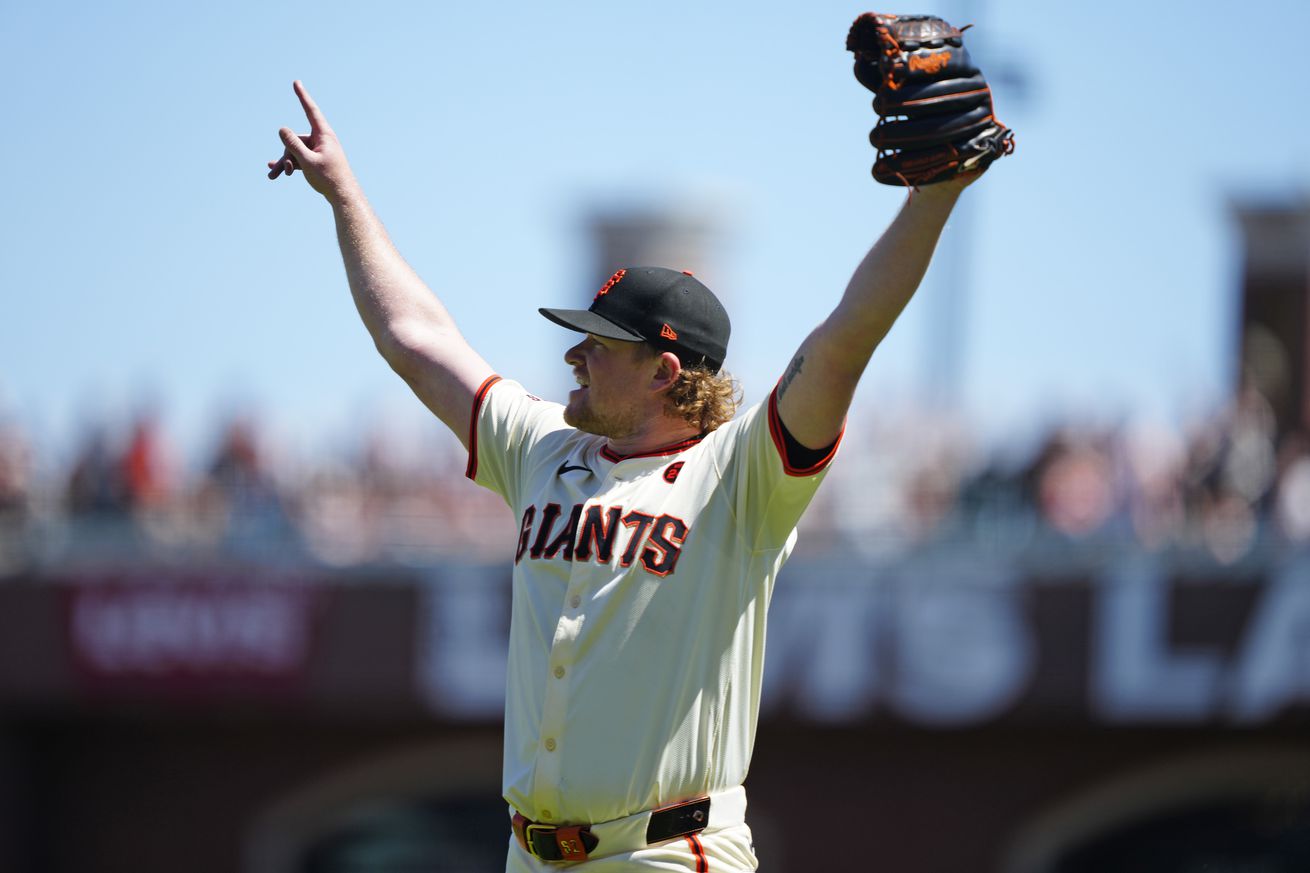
point(591, 533)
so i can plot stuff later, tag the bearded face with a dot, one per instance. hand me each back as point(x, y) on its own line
point(608, 372)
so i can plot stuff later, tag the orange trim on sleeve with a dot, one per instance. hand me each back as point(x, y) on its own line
point(471, 471)
point(779, 443)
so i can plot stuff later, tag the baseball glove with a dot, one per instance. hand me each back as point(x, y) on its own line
point(934, 106)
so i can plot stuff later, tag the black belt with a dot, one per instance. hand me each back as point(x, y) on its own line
point(577, 842)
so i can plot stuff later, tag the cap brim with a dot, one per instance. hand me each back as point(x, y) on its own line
point(586, 321)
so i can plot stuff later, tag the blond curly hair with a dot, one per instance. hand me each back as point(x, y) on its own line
point(705, 400)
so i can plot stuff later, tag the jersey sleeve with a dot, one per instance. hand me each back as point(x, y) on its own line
point(506, 424)
point(769, 493)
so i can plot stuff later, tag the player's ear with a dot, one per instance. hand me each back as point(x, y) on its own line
point(668, 369)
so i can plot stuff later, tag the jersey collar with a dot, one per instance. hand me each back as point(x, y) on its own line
point(610, 455)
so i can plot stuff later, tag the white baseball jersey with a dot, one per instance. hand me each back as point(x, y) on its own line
point(641, 585)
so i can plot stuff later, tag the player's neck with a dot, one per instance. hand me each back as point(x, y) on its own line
point(655, 433)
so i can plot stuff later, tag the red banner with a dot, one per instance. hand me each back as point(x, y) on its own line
point(199, 634)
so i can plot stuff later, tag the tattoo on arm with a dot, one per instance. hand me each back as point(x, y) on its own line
point(793, 369)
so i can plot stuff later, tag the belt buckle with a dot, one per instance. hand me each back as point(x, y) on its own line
point(574, 842)
point(527, 837)
point(568, 842)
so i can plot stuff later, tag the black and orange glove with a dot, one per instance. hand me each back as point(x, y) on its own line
point(935, 118)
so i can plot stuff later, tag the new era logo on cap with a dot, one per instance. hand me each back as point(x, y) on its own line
point(670, 309)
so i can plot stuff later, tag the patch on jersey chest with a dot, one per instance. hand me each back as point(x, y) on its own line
point(672, 470)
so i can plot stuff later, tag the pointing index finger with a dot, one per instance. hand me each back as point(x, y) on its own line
point(316, 120)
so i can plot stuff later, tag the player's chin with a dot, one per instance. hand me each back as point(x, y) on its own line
point(581, 416)
point(576, 412)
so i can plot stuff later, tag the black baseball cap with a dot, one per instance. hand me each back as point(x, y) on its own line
point(670, 309)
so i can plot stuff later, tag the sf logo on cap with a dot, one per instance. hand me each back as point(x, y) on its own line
point(614, 280)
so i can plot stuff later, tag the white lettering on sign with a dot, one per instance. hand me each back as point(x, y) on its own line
point(964, 652)
point(1138, 676)
point(1273, 669)
point(942, 644)
point(1134, 673)
point(159, 630)
point(955, 653)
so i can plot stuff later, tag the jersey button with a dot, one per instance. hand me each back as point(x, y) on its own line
point(550, 744)
point(559, 672)
point(575, 601)
point(547, 815)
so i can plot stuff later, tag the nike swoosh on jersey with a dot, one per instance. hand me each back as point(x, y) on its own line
point(565, 468)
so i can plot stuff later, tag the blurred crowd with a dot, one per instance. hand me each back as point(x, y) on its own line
point(1226, 487)
point(127, 497)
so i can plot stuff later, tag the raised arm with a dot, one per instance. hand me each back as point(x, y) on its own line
point(816, 389)
point(409, 325)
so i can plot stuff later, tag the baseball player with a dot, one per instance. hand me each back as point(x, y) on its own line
point(653, 521)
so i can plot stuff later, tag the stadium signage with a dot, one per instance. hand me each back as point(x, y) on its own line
point(960, 646)
point(189, 635)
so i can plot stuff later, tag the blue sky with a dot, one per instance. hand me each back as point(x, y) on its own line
point(146, 257)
